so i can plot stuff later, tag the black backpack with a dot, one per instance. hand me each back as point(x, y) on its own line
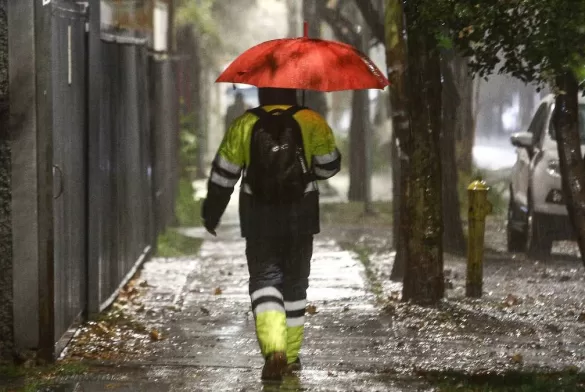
point(278, 172)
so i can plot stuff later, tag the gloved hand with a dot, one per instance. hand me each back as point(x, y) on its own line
point(209, 221)
point(210, 228)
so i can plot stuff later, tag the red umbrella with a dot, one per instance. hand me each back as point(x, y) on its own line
point(305, 64)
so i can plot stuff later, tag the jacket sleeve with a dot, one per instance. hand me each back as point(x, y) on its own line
point(326, 156)
point(225, 173)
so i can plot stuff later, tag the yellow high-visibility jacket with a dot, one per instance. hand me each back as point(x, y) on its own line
point(233, 157)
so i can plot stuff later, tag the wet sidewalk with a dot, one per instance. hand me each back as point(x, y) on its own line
point(201, 308)
point(357, 339)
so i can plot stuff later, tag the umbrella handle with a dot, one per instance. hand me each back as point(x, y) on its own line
point(306, 29)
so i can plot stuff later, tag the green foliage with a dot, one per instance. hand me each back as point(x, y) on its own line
point(199, 15)
point(536, 40)
point(173, 244)
point(9, 372)
point(187, 209)
point(533, 40)
point(511, 381)
point(496, 194)
point(352, 213)
point(206, 17)
point(380, 158)
point(188, 143)
point(34, 378)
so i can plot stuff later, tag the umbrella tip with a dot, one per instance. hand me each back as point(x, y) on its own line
point(306, 29)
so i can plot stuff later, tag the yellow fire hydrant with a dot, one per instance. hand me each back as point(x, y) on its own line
point(479, 209)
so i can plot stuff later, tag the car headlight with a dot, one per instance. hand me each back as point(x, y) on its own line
point(554, 168)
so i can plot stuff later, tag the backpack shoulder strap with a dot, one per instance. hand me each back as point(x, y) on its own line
point(258, 112)
point(294, 109)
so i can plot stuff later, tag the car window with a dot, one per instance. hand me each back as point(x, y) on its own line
point(537, 124)
point(581, 125)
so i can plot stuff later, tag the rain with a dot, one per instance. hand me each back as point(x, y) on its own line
point(292, 195)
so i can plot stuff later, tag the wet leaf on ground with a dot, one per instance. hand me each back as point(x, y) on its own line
point(517, 358)
point(311, 309)
point(581, 317)
point(155, 335)
point(512, 300)
point(394, 296)
point(218, 291)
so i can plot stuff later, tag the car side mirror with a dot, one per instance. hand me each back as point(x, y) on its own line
point(522, 140)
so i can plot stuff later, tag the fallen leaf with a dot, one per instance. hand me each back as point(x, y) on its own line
point(205, 311)
point(155, 335)
point(218, 291)
point(581, 317)
point(394, 296)
point(512, 300)
point(144, 283)
point(311, 309)
point(102, 327)
point(517, 358)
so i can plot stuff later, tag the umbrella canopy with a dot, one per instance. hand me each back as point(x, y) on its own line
point(305, 64)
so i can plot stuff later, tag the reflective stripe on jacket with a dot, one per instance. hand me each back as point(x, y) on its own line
point(233, 157)
point(318, 141)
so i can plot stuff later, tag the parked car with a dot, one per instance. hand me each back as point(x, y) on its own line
point(537, 213)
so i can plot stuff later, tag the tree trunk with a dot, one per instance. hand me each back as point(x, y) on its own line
point(359, 135)
point(453, 237)
point(423, 278)
point(397, 67)
point(357, 146)
point(464, 123)
point(294, 26)
point(566, 125)
point(316, 100)
point(198, 110)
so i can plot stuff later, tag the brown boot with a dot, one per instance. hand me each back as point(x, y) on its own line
point(274, 367)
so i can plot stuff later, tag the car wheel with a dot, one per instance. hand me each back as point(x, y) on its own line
point(540, 241)
point(516, 238)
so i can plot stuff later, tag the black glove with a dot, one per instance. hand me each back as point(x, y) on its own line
point(210, 222)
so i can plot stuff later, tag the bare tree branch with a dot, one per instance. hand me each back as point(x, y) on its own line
point(342, 27)
point(373, 17)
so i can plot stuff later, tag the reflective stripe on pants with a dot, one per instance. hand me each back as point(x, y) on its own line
point(279, 276)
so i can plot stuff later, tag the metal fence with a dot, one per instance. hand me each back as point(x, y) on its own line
point(126, 221)
point(115, 183)
point(69, 75)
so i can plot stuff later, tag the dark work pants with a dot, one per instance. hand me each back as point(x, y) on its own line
point(279, 277)
point(280, 262)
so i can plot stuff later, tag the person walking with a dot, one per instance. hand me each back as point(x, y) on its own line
point(235, 110)
point(281, 150)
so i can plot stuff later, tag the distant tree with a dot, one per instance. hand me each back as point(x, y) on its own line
point(345, 23)
point(316, 100)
